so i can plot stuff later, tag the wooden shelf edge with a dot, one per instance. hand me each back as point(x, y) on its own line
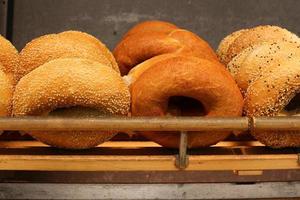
point(146, 163)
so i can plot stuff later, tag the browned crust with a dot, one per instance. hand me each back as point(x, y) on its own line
point(151, 26)
point(269, 95)
point(208, 82)
point(70, 82)
point(63, 45)
point(140, 46)
point(9, 58)
point(6, 93)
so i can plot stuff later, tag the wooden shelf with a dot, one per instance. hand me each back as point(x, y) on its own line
point(145, 156)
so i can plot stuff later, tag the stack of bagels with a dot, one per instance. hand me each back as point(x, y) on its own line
point(265, 62)
point(157, 69)
point(163, 63)
point(70, 74)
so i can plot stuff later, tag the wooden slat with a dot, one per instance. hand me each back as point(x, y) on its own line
point(143, 156)
point(146, 163)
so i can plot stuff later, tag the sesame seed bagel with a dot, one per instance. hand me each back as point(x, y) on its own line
point(71, 83)
point(204, 81)
point(251, 62)
point(138, 47)
point(226, 42)
point(6, 93)
point(276, 93)
point(151, 27)
point(9, 58)
point(258, 35)
point(63, 45)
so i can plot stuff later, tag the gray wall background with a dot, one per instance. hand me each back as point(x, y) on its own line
point(110, 19)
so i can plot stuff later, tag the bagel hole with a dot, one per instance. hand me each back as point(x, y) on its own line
point(185, 106)
point(77, 112)
point(293, 107)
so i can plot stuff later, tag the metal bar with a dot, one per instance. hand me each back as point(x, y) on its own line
point(151, 124)
point(275, 123)
point(3, 17)
point(125, 124)
point(182, 160)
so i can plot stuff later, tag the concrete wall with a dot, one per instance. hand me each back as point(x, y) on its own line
point(110, 19)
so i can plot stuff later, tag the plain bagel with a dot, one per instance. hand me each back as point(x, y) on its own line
point(136, 48)
point(63, 45)
point(71, 83)
point(202, 80)
point(151, 26)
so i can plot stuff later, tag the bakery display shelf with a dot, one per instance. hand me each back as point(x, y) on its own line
point(145, 161)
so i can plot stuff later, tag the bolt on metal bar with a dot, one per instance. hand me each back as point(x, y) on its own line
point(182, 159)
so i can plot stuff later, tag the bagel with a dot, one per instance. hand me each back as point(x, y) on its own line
point(275, 93)
point(151, 27)
point(71, 84)
point(252, 61)
point(6, 93)
point(63, 45)
point(135, 72)
point(195, 86)
point(9, 58)
point(258, 35)
point(225, 43)
point(138, 47)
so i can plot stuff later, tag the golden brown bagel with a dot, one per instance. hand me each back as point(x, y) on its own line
point(258, 35)
point(63, 45)
point(151, 26)
point(138, 47)
point(205, 81)
point(135, 72)
point(9, 58)
point(271, 95)
point(71, 83)
point(251, 62)
point(226, 42)
point(6, 93)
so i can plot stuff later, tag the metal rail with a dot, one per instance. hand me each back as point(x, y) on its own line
point(150, 123)
point(182, 124)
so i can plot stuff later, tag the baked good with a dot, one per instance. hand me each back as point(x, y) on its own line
point(9, 58)
point(276, 93)
point(151, 26)
point(258, 35)
point(137, 47)
point(225, 44)
point(63, 45)
point(247, 66)
point(71, 86)
point(187, 86)
point(6, 93)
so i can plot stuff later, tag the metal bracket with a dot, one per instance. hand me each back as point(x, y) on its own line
point(182, 159)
